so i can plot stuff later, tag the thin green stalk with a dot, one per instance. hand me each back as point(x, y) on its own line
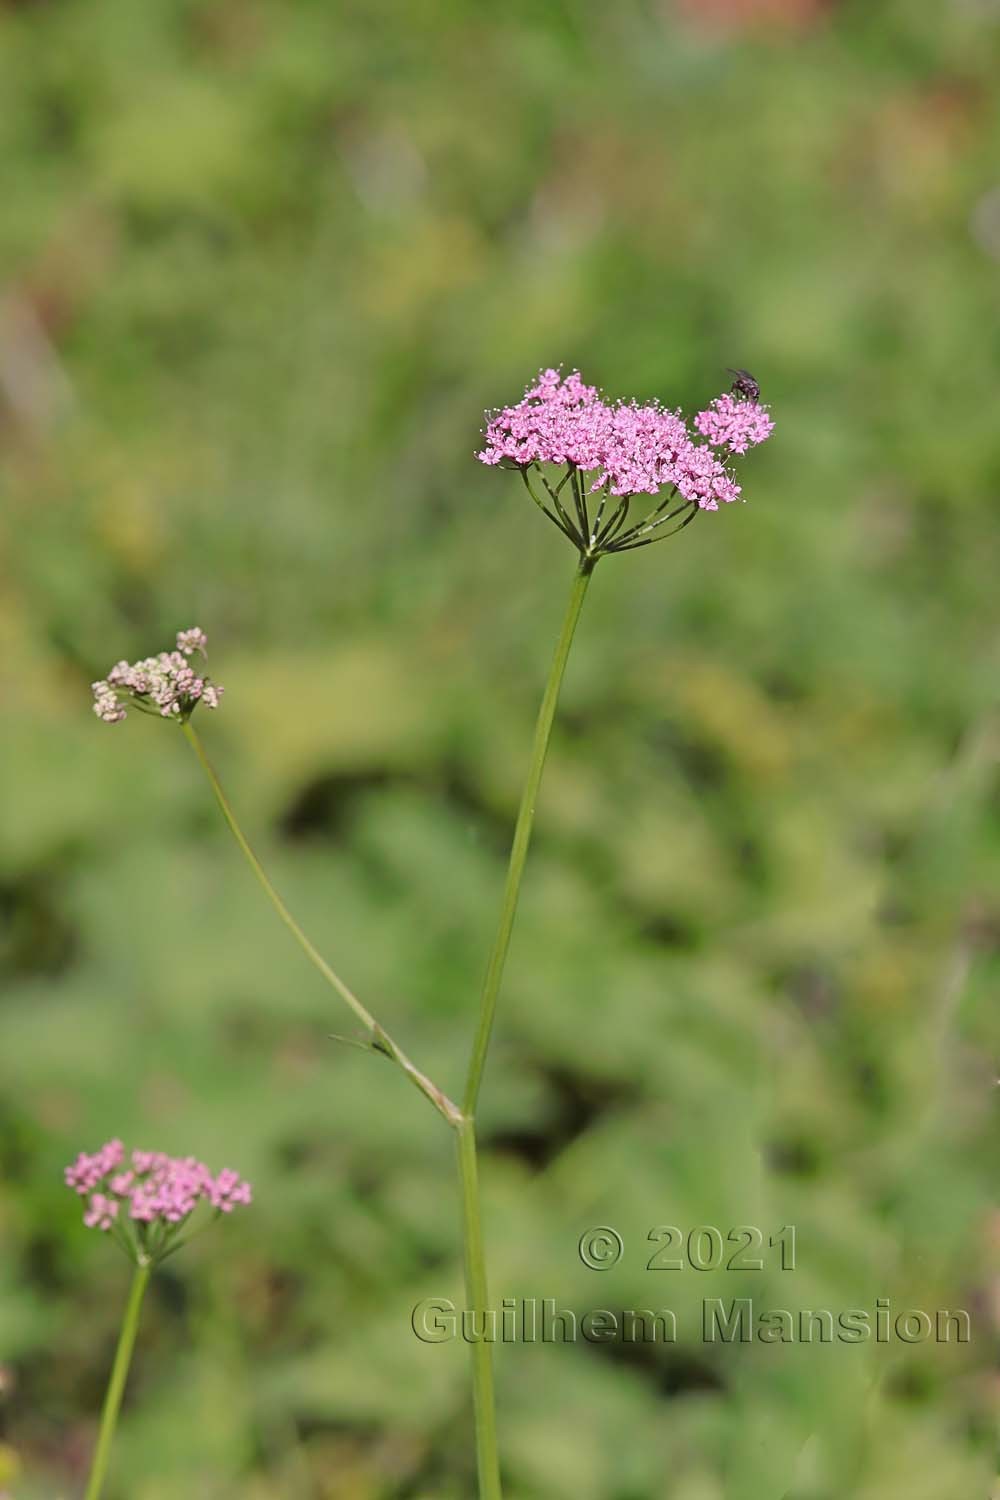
point(477, 1297)
point(522, 837)
point(562, 520)
point(379, 1039)
point(116, 1384)
point(476, 1292)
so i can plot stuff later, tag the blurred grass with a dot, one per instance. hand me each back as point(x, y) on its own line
point(263, 268)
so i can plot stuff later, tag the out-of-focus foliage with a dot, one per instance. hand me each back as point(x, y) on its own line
point(264, 265)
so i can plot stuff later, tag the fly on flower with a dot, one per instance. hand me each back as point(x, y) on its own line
point(611, 453)
point(744, 385)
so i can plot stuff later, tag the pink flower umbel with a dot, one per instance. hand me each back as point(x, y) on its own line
point(146, 1200)
point(166, 685)
point(734, 424)
point(620, 450)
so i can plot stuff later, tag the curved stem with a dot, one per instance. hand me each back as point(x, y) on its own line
point(378, 1038)
point(614, 524)
point(625, 544)
point(522, 837)
point(581, 505)
point(553, 495)
point(477, 1298)
point(650, 525)
point(545, 510)
point(116, 1384)
point(595, 529)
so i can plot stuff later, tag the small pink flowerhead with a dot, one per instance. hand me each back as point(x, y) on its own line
point(166, 685)
point(735, 424)
point(227, 1190)
point(87, 1171)
point(101, 1212)
point(148, 1203)
point(557, 421)
point(189, 641)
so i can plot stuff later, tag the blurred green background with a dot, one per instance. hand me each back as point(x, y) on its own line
point(264, 265)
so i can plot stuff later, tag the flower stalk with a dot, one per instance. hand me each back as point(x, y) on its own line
point(476, 1285)
point(522, 836)
point(378, 1038)
point(477, 1297)
point(116, 1383)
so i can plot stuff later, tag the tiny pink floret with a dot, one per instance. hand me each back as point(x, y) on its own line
point(189, 641)
point(101, 1212)
point(228, 1190)
point(87, 1171)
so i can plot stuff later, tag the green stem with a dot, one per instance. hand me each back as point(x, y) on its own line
point(476, 1292)
point(378, 1038)
point(477, 1298)
point(116, 1384)
point(522, 838)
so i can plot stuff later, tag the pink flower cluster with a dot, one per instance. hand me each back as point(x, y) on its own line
point(166, 684)
point(734, 424)
point(150, 1188)
point(634, 449)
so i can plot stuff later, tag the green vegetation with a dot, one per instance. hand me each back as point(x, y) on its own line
point(265, 265)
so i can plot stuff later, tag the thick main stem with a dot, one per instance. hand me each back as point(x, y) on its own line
point(477, 1297)
point(522, 837)
point(379, 1039)
point(476, 1289)
point(116, 1384)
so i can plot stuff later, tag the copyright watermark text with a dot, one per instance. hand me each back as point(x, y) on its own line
point(737, 1320)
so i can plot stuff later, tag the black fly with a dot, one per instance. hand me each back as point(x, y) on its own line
point(744, 385)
